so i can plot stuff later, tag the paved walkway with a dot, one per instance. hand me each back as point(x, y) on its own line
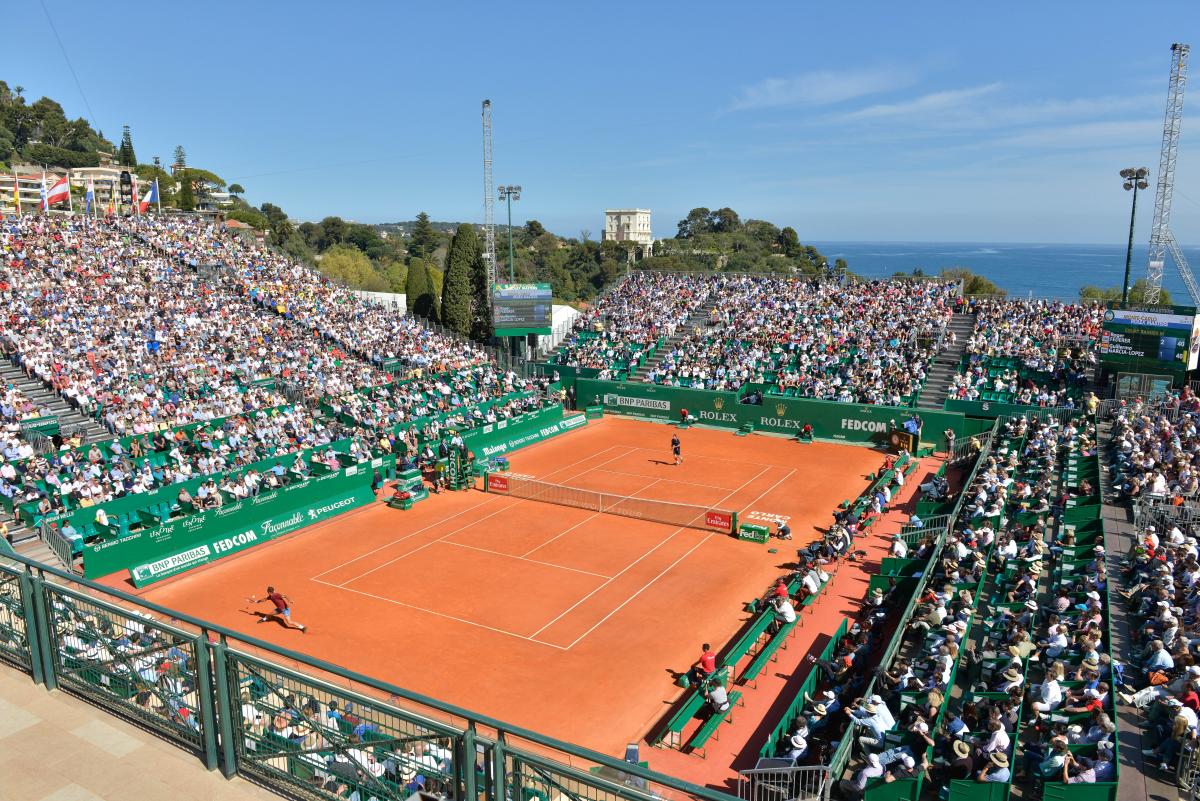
point(55, 747)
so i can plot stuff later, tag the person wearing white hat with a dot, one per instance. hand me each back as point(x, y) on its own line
point(882, 710)
point(798, 744)
point(855, 787)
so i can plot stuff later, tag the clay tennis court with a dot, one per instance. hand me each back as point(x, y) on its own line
point(564, 620)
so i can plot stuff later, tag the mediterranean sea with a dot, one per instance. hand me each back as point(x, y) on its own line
point(1026, 270)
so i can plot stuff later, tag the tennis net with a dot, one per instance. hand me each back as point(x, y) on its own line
point(685, 515)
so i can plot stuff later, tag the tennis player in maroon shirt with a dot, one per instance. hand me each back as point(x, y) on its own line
point(283, 609)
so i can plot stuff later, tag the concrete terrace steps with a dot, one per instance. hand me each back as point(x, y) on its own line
point(945, 365)
point(697, 320)
point(69, 418)
point(35, 548)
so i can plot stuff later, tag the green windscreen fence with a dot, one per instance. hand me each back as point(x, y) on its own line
point(787, 415)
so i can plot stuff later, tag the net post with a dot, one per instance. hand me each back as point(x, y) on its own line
point(733, 522)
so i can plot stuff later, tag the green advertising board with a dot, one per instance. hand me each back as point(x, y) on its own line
point(47, 426)
point(829, 419)
point(1150, 338)
point(269, 514)
point(497, 439)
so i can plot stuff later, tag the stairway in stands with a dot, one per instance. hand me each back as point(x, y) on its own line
point(69, 420)
point(945, 364)
point(697, 320)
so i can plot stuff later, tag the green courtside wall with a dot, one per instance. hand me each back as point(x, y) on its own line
point(829, 419)
point(269, 514)
point(496, 439)
point(218, 533)
point(195, 539)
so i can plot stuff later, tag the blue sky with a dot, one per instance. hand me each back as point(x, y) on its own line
point(849, 121)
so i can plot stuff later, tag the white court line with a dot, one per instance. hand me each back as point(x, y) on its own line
point(677, 481)
point(671, 566)
point(562, 533)
point(664, 572)
point(468, 525)
point(773, 486)
point(643, 556)
point(717, 458)
point(443, 614)
point(451, 517)
point(523, 559)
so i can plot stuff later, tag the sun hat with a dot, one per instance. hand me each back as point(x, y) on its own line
point(961, 748)
point(1012, 675)
point(1000, 759)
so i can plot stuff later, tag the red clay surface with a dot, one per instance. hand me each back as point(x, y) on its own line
point(563, 620)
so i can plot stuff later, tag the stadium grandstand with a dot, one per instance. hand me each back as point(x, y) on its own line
point(888, 511)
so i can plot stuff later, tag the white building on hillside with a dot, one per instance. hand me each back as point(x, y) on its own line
point(629, 225)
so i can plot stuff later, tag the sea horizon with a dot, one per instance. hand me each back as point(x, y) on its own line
point(1033, 269)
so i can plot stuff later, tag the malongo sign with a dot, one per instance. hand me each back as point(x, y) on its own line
point(830, 420)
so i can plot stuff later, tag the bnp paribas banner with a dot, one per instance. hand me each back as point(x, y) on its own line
point(830, 420)
point(225, 530)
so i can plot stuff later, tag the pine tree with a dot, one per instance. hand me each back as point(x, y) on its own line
point(481, 304)
point(424, 239)
point(125, 154)
point(180, 158)
point(457, 306)
point(186, 199)
point(418, 291)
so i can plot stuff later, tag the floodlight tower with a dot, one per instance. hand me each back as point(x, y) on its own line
point(1161, 238)
point(489, 198)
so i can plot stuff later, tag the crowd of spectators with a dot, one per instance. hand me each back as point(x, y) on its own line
point(99, 473)
point(632, 317)
point(867, 342)
point(1155, 449)
point(1032, 352)
point(318, 306)
point(458, 400)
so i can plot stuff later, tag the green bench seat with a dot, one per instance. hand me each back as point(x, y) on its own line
point(706, 731)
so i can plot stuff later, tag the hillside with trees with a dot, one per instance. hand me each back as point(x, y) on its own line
point(40, 133)
point(412, 256)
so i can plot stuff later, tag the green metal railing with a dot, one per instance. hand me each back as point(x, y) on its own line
point(293, 723)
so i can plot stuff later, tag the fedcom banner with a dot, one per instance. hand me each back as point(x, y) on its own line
point(249, 535)
point(156, 549)
point(830, 420)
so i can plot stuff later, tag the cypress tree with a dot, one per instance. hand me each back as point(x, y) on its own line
point(186, 199)
point(457, 283)
point(481, 306)
point(418, 291)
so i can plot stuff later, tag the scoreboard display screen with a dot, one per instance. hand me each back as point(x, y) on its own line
point(1164, 337)
point(519, 309)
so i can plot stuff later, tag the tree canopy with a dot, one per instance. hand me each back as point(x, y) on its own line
point(1137, 294)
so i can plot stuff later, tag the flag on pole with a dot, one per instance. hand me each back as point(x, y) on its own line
point(45, 205)
point(59, 193)
point(17, 191)
point(150, 197)
point(90, 197)
point(136, 208)
point(112, 199)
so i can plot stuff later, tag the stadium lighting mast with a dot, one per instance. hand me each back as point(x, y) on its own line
point(509, 194)
point(1135, 180)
